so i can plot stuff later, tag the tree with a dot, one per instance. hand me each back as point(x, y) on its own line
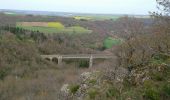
point(161, 29)
point(164, 8)
point(129, 27)
point(138, 50)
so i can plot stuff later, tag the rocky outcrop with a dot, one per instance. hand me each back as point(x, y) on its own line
point(95, 84)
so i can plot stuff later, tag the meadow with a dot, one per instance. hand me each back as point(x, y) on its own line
point(109, 42)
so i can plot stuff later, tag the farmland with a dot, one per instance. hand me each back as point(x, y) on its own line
point(52, 27)
point(96, 17)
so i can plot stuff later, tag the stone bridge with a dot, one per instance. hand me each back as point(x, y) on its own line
point(91, 57)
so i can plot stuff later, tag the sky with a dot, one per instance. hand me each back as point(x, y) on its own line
point(83, 6)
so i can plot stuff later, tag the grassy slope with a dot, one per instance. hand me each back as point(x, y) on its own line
point(110, 42)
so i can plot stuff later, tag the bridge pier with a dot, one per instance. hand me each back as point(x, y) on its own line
point(91, 62)
point(60, 60)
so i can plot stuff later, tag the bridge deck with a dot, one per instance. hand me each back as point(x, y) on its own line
point(75, 56)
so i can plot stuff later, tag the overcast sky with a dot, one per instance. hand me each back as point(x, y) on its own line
point(83, 6)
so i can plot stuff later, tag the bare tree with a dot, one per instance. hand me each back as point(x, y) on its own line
point(129, 27)
point(161, 27)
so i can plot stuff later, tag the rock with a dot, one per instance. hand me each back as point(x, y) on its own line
point(116, 75)
point(84, 76)
point(65, 89)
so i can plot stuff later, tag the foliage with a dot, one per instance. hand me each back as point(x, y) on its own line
point(93, 81)
point(92, 93)
point(73, 88)
point(166, 89)
point(4, 72)
point(151, 92)
point(112, 92)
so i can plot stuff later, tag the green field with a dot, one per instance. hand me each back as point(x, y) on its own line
point(110, 42)
point(57, 25)
point(49, 30)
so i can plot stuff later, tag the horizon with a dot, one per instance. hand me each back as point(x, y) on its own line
point(71, 12)
point(130, 7)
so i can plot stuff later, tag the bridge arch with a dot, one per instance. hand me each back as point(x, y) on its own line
point(55, 60)
point(48, 59)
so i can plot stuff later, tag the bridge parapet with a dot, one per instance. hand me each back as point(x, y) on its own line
point(79, 56)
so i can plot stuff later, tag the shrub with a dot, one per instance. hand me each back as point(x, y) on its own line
point(151, 94)
point(74, 88)
point(158, 76)
point(3, 72)
point(92, 81)
point(166, 89)
point(111, 92)
point(92, 93)
point(150, 91)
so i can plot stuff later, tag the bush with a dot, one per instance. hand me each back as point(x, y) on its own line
point(92, 93)
point(74, 88)
point(111, 92)
point(161, 57)
point(151, 94)
point(150, 91)
point(166, 89)
point(3, 72)
point(92, 81)
point(158, 76)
